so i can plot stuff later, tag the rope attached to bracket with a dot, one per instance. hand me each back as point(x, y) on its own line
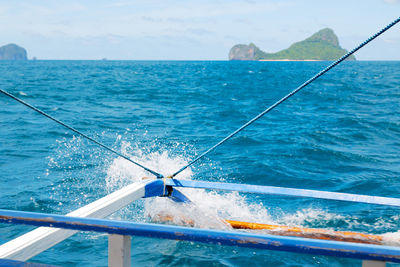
point(80, 133)
point(319, 74)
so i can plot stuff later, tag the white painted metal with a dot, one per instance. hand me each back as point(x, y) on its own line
point(373, 264)
point(119, 251)
point(32, 243)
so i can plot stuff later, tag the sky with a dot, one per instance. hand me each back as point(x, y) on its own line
point(190, 30)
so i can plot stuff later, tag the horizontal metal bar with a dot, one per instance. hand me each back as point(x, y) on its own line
point(292, 244)
point(273, 190)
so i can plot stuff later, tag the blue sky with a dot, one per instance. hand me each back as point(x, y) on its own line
point(190, 30)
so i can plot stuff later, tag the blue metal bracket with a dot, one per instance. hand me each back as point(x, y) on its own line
point(159, 188)
point(178, 196)
point(154, 189)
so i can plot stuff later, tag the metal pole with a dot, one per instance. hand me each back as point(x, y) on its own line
point(119, 250)
point(373, 263)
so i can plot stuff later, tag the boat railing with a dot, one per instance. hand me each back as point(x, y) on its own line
point(55, 228)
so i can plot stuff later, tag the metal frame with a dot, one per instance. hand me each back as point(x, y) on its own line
point(34, 242)
point(284, 191)
point(120, 231)
point(230, 238)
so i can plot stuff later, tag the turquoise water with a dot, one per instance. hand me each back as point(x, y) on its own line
point(341, 134)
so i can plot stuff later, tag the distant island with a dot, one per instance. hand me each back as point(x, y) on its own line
point(323, 45)
point(13, 52)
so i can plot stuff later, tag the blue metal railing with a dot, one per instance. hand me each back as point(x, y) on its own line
point(240, 239)
point(284, 191)
point(230, 238)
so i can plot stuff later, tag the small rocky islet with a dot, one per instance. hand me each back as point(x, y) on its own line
point(13, 52)
point(322, 45)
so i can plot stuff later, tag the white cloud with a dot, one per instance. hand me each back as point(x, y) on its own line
point(128, 19)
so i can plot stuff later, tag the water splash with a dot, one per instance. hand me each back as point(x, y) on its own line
point(209, 206)
point(122, 172)
point(392, 239)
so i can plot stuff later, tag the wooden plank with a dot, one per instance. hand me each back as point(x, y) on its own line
point(34, 242)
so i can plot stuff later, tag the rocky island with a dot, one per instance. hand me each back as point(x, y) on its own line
point(12, 52)
point(323, 45)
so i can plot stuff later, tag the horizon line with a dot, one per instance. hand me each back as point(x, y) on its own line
point(105, 59)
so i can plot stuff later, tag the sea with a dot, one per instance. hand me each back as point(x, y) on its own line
point(341, 134)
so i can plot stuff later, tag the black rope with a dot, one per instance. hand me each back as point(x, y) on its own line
point(81, 134)
point(289, 95)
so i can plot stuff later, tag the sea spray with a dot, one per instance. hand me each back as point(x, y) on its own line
point(209, 208)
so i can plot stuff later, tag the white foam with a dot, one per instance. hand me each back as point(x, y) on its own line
point(210, 206)
point(121, 172)
point(392, 239)
point(311, 216)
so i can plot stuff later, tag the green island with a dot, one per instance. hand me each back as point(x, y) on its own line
point(322, 45)
point(12, 52)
